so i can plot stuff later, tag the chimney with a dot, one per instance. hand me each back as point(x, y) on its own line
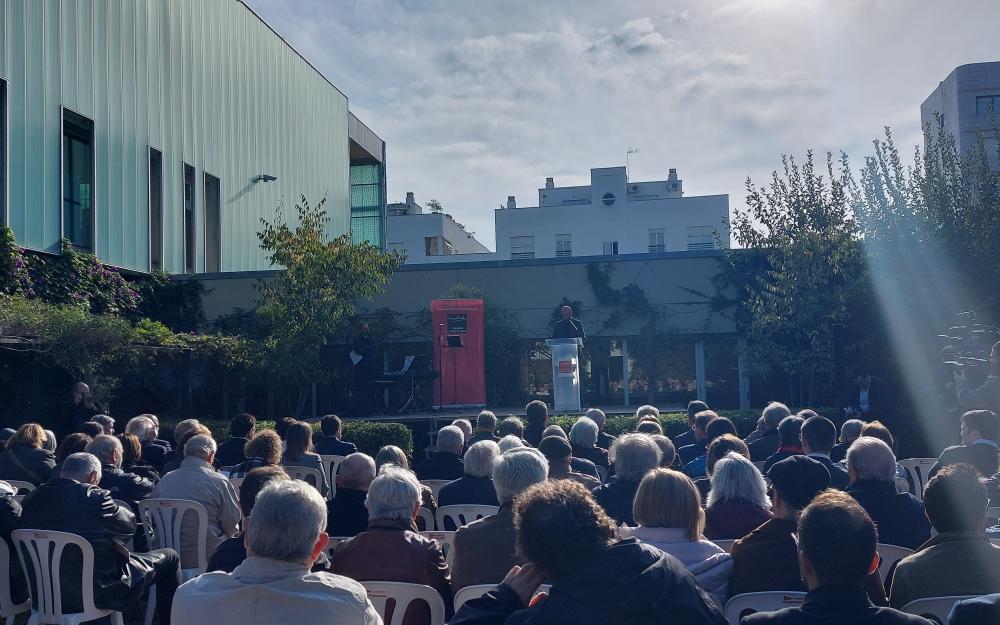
point(511, 202)
point(410, 201)
point(550, 183)
point(675, 186)
point(672, 176)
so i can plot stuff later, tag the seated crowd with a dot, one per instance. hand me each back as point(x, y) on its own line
point(638, 528)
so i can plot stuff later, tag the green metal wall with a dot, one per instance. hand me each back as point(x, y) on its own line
point(205, 82)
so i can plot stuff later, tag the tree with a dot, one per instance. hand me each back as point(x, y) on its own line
point(308, 302)
point(435, 206)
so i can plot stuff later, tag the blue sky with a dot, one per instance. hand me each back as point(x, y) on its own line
point(479, 100)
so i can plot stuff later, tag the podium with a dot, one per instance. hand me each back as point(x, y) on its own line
point(565, 374)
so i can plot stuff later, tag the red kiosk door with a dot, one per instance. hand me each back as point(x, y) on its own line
point(459, 352)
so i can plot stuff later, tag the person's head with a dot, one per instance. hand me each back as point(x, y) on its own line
point(794, 482)
point(720, 447)
point(82, 467)
point(242, 425)
point(356, 472)
point(773, 413)
point(649, 427)
point(331, 426)
point(73, 444)
point(80, 393)
point(516, 470)
point(486, 422)
point(597, 416)
point(869, 458)
point(560, 528)
point(634, 455)
point(583, 434)
point(701, 421)
point(511, 426)
point(265, 445)
point(876, 429)
point(201, 446)
point(734, 478)
point(131, 448)
point(480, 457)
point(851, 431)
point(693, 408)
point(510, 442)
point(450, 440)
point(790, 430)
point(557, 451)
point(566, 312)
point(819, 435)
point(807, 413)
point(646, 410)
point(30, 434)
point(363, 328)
point(536, 413)
point(198, 430)
point(254, 481)
point(719, 427)
point(837, 541)
point(106, 422)
point(107, 449)
point(667, 450)
point(182, 428)
point(281, 426)
point(862, 377)
point(393, 495)
point(979, 424)
point(50, 441)
point(91, 429)
point(298, 440)
point(142, 426)
point(668, 498)
point(466, 426)
point(155, 419)
point(955, 500)
point(390, 454)
point(288, 523)
point(554, 430)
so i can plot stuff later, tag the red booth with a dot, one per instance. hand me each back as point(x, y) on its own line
point(459, 354)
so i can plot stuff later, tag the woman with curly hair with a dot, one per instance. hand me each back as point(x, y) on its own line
point(263, 450)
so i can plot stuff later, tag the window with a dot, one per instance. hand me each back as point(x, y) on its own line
point(447, 248)
point(78, 180)
point(657, 241)
point(3, 151)
point(522, 247)
point(988, 105)
point(432, 246)
point(611, 248)
point(155, 210)
point(564, 245)
point(701, 238)
point(189, 232)
point(213, 224)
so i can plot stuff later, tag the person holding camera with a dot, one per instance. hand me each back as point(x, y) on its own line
point(987, 396)
point(81, 409)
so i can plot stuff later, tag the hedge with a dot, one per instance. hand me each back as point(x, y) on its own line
point(370, 436)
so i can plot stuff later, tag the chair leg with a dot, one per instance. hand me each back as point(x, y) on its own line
point(117, 618)
point(150, 606)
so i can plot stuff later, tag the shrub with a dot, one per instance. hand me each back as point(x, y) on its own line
point(370, 436)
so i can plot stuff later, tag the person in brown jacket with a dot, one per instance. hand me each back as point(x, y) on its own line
point(391, 549)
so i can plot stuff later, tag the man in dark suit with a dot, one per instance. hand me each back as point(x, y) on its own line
point(789, 441)
point(818, 437)
point(766, 443)
point(121, 484)
point(230, 453)
point(688, 453)
point(486, 426)
point(446, 462)
point(80, 410)
point(985, 609)
point(687, 436)
point(568, 326)
point(869, 398)
point(346, 512)
point(330, 444)
point(836, 553)
point(979, 444)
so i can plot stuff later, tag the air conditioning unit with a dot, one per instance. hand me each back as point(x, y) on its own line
point(634, 188)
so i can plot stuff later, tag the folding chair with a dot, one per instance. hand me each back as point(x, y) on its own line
point(469, 593)
point(458, 516)
point(8, 609)
point(163, 519)
point(934, 608)
point(751, 602)
point(447, 542)
point(401, 596)
point(890, 555)
point(918, 468)
point(332, 466)
point(309, 475)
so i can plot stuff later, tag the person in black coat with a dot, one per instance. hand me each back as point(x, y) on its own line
point(10, 517)
point(82, 408)
point(979, 431)
point(74, 503)
point(346, 512)
point(634, 455)
point(977, 611)
point(476, 486)
point(869, 398)
point(446, 462)
point(818, 437)
point(687, 453)
point(837, 550)
point(568, 326)
point(233, 551)
point(124, 486)
point(230, 452)
point(789, 441)
point(767, 442)
point(132, 458)
point(330, 444)
point(25, 458)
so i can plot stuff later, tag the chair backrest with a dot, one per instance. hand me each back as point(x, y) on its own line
point(41, 555)
point(331, 464)
point(447, 542)
point(602, 473)
point(236, 481)
point(309, 475)
point(760, 465)
point(7, 606)
point(401, 596)
point(748, 603)
point(334, 541)
point(902, 485)
point(992, 516)
point(726, 544)
point(918, 468)
point(163, 519)
point(468, 593)
point(21, 487)
point(935, 609)
point(435, 486)
point(463, 515)
point(425, 520)
point(890, 555)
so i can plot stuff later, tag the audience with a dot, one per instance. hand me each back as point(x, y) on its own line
point(281, 427)
point(391, 549)
point(331, 427)
point(74, 503)
point(979, 444)
point(174, 462)
point(233, 551)
point(559, 454)
point(106, 423)
point(583, 439)
point(976, 611)
point(485, 549)
point(233, 450)
point(486, 425)
point(263, 450)
point(10, 517)
point(570, 543)
point(668, 510)
point(390, 454)
point(132, 458)
point(818, 437)
point(580, 465)
point(536, 413)
point(510, 442)
point(688, 453)
point(604, 439)
point(145, 430)
point(91, 429)
point(511, 426)
point(876, 429)
point(737, 503)
point(668, 453)
point(445, 463)
point(649, 427)
point(274, 585)
point(197, 480)
point(128, 487)
point(789, 441)
point(175, 456)
point(466, 426)
point(346, 512)
point(850, 431)
point(899, 517)
point(476, 486)
point(767, 442)
point(960, 559)
point(836, 553)
point(633, 455)
point(717, 450)
point(24, 457)
point(73, 444)
point(716, 428)
point(687, 437)
point(647, 411)
point(299, 453)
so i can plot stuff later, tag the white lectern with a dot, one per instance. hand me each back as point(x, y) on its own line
point(565, 373)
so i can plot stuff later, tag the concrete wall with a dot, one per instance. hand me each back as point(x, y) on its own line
point(955, 99)
point(406, 233)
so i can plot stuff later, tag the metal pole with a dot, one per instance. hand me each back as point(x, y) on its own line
point(626, 369)
point(699, 368)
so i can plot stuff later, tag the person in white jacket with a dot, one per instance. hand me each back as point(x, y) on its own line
point(667, 508)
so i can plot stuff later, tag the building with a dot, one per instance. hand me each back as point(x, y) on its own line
point(612, 216)
point(368, 189)
point(424, 236)
point(157, 134)
point(967, 105)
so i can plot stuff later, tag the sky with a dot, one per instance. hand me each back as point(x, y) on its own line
point(481, 99)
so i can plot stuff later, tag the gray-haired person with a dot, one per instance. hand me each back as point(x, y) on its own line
point(633, 455)
point(476, 486)
point(446, 462)
point(122, 484)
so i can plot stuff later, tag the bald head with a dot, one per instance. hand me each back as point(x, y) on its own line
point(356, 472)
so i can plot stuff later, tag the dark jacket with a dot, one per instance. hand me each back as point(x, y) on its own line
point(982, 456)
point(731, 519)
point(483, 436)
point(125, 486)
point(604, 440)
point(766, 559)
point(627, 584)
point(778, 456)
point(978, 611)
point(881, 401)
point(154, 455)
point(10, 517)
point(582, 465)
point(616, 498)
point(595, 454)
point(571, 328)
point(332, 446)
point(441, 465)
point(26, 463)
point(838, 474)
point(839, 451)
point(143, 470)
point(468, 490)
point(762, 448)
point(692, 451)
point(684, 438)
point(228, 555)
point(77, 415)
point(899, 517)
point(835, 605)
point(484, 550)
point(346, 513)
point(230, 452)
point(253, 462)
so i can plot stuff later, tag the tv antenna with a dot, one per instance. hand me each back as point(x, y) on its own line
point(629, 152)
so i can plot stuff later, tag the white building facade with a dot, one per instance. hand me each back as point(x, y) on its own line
point(429, 237)
point(966, 104)
point(610, 217)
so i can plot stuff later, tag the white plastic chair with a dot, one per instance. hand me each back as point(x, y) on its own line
point(602, 473)
point(469, 593)
point(163, 519)
point(463, 515)
point(992, 516)
point(918, 468)
point(934, 608)
point(8, 609)
point(726, 545)
point(447, 542)
point(427, 517)
point(19, 485)
point(40, 553)
point(332, 466)
point(751, 602)
point(236, 481)
point(435, 486)
point(309, 475)
point(402, 595)
point(890, 555)
point(902, 486)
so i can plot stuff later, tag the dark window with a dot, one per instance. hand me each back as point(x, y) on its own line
point(78, 180)
point(988, 105)
point(611, 248)
point(3, 151)
point(189, 231)
point(155, 210)
point(213, 224)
